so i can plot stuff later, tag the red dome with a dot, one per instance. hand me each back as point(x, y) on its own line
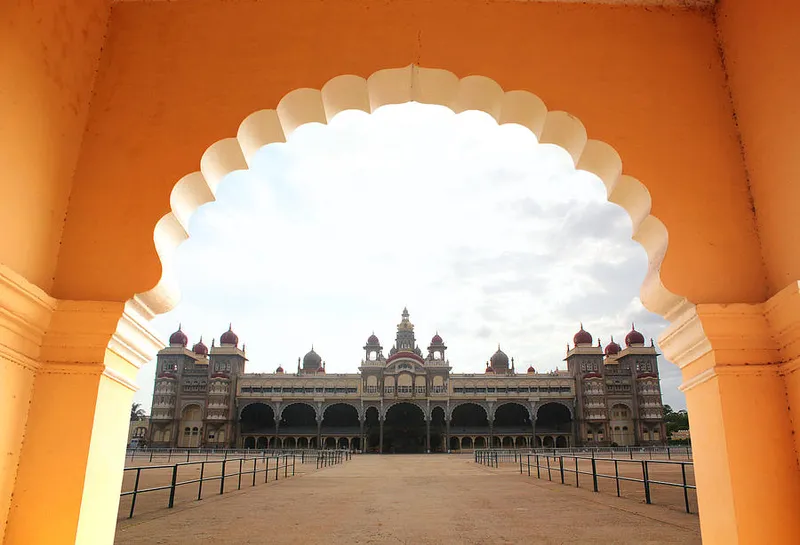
point(279, 369)
point(633, 337)
point(321, 369)
point(531, 370)
point(582, 337)
point(436, 339)
point(373, 339)
point(200, 349)
point(178, 338)
point(489, 369)
point(229, 338)
point(612, 348)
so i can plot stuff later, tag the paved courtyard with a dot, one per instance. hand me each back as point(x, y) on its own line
point(413, 499)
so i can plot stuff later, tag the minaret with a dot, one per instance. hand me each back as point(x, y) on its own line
point(405, 341)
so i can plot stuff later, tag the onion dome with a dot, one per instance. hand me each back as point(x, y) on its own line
point(634, 338)
point(200, 349)
point(373, 340)
point(312, 360)
point(178, 338)
point(489, 369)
point(531, 370)
point(321, 369)
point(582, 337)
point(229, 338)
point(612, 348)
point(279, 370)
point(499, 359)
point(437, 339)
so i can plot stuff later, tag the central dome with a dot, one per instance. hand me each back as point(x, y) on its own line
point(499, 359)
point(312, 361)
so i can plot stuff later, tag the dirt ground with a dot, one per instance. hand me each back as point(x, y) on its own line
point(413, 499)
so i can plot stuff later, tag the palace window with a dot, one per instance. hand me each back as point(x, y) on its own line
point(458, 390)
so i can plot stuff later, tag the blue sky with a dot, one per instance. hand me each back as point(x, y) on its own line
point(487, 236)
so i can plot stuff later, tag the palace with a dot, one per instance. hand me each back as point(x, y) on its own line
point(407, 401)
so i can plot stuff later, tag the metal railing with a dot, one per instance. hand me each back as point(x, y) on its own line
point(631, 453)
point(327, 458)
point(556, 464)
point(488, 457)
point(244, 466)
point(189, 454)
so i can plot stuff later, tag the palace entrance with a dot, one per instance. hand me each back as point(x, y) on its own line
point(404, 430)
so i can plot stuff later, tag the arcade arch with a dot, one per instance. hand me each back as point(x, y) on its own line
point(298, 417)
point(468, 417)
point(257, 418)
point(404, 429)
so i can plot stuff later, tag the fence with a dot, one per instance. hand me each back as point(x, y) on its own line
point(187, 454)
point(249, 467)
point(631, 453)
point(556, 464)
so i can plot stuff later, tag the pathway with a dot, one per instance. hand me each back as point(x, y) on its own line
point(413, 499)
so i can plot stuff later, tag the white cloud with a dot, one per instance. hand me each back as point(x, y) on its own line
point(486, 235)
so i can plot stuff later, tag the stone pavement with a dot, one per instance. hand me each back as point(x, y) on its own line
point(413, 499)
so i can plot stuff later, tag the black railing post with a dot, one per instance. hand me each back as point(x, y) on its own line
point(136, 488)
point(277, 466)
point(222, 478)
point(594, 474)
point(266, 469)
point(576, 473)
point(255, 464)
point(285, 466)
point(151, 456)
point(616, 475)
point(241, 461)
point(561, 467)
point(685, 490)
point(646, 482)
point(200, 484)
point(293, 462)
point(172, 486)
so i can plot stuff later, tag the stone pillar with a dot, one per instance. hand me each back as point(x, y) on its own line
point(491, 434)
point(319, 434)
point(739, 364)
point(447, 434)
point(533, 437)
point(380, 443)
point(277, 431)
point(89, 356)
point(362, 439)
point(428, 435)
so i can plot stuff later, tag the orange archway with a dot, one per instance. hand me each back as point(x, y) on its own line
point(697, 97)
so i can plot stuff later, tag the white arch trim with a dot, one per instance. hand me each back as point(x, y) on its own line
point(397, 86)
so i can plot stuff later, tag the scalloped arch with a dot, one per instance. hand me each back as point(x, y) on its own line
point(397, 86)
point(511, 402)
point(406, 402)
point(564, 404)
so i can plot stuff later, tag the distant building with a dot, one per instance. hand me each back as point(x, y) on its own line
point(406, 401)
point(138, 432)
point(680, 435)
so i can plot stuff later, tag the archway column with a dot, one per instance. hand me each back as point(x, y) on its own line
point(739, 364)
point(89, 354)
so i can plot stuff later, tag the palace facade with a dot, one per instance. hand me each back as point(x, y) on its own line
point(406, 400)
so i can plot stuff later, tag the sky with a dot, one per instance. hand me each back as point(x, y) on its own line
point(485, 235)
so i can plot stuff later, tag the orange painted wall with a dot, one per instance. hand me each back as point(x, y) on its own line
point(762, 48)
point(47, 69)
point(177, 76)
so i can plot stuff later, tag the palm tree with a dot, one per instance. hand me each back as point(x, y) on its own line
point(137, 413)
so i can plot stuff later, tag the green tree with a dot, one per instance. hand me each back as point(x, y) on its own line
point(137, 413)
